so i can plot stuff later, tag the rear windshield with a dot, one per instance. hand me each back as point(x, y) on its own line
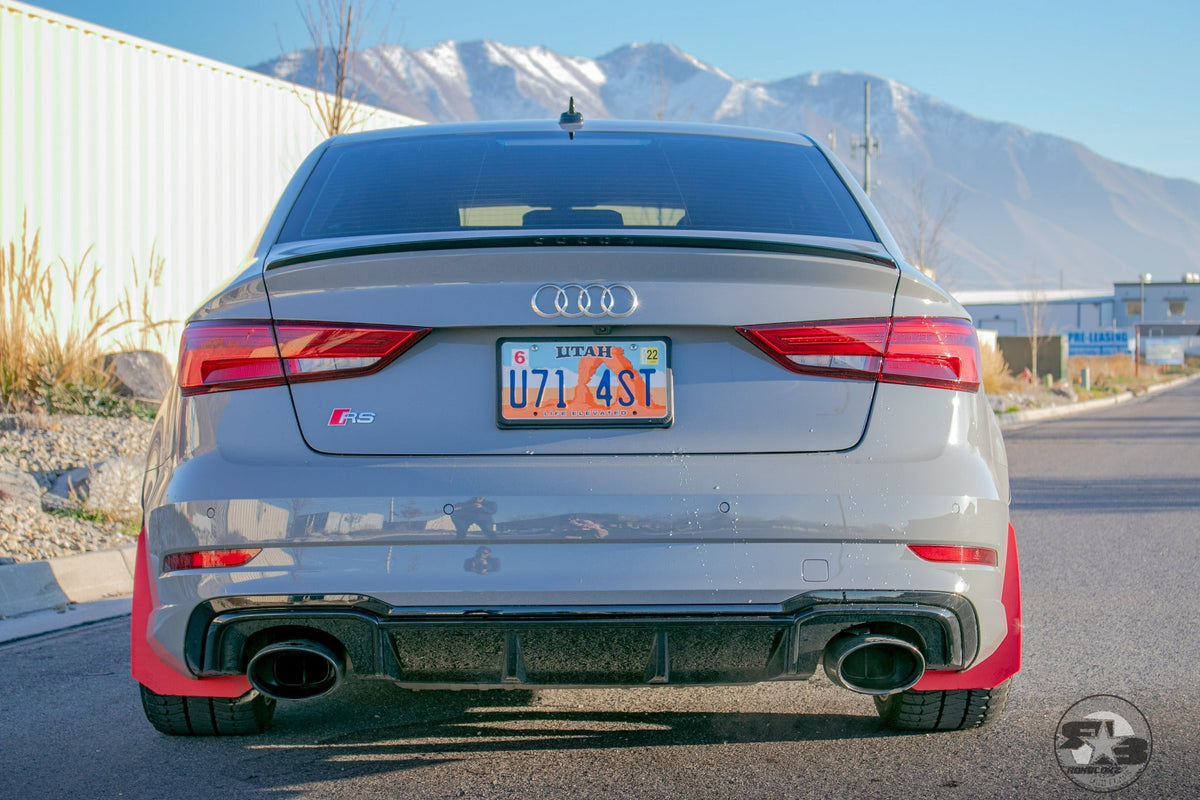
point(598, 180)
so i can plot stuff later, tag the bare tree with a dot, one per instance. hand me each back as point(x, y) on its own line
point(920, 224)
point(335, 28)
point(1036, 323)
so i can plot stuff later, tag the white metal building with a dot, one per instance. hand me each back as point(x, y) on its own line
point(120, 144)
point(1010, 312)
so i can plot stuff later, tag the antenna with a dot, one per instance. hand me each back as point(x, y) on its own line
point(570, 120)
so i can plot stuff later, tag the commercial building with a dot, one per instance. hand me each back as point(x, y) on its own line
point(1164, 315)
point(1158, 302)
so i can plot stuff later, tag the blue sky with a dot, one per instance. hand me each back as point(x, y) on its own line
point(1122, 78)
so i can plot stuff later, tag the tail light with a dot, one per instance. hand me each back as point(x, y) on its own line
point(206, 559)
point(924, 351)
point(237, 354)
point(955, 554)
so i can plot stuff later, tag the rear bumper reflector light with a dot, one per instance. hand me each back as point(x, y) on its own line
point(923, 351)
point(220, 355)
point(956, 554)
point(207, 559)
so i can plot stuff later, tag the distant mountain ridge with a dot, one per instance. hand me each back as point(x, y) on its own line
point(1031, 210)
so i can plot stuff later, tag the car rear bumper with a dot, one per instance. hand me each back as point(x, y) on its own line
point(630, 612)
point(587, 645)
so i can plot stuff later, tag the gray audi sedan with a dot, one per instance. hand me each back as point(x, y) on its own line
point(550, 404)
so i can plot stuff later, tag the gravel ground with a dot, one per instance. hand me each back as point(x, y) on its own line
point(1033, 396)
point(45, 447)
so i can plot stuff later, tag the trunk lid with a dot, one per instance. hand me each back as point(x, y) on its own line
point(442, 396)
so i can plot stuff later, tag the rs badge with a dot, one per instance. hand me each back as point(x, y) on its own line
point(344, 416)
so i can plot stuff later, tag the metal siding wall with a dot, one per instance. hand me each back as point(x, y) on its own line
point(119, 144)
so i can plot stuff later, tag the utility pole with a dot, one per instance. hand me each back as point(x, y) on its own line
point(1143, 279)
point(868, 143)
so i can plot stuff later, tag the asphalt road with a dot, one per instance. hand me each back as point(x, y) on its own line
point(1107, 510)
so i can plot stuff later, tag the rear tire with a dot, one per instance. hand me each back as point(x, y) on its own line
point(208, 716)
point(948, 710)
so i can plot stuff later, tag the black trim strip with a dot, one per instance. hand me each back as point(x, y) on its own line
point(584, 240)
point(223, 628)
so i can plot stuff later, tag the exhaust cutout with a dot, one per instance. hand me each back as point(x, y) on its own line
point(295, 670)
point(873, 664)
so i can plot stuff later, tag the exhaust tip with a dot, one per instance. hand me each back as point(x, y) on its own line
point(873, 664)
point(295, 670)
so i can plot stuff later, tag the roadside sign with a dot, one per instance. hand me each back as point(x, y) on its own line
point(1162, 350)
point(1100, 342)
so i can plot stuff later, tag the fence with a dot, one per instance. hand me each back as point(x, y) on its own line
point(122, 145)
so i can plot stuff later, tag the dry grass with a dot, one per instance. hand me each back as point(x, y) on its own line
point(1115, 374)
point(144, 332)
point(997, 377)
point(26, 290)
point(46, 361)
point(70, 351)
point(1103, 367)
point(1111, 374)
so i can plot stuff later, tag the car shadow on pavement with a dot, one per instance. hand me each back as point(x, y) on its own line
point(411, 730)
point(553, 729)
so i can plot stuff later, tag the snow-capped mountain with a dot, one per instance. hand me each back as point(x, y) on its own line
point(1026, 208)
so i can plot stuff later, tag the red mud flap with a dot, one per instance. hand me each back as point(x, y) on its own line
point(1006, 661)
point(145, 665)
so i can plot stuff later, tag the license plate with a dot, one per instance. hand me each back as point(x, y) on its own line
point(584, 382)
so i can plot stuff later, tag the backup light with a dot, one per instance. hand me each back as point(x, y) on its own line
point(314, 351)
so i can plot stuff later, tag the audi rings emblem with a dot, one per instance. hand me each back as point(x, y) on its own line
point(593, 300)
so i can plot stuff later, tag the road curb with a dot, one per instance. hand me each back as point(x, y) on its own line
point(1015, 418)
point(39, 623)
point(58, 582)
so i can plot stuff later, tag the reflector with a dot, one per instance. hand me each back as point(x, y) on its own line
point(205, 559)
point(955, 554)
